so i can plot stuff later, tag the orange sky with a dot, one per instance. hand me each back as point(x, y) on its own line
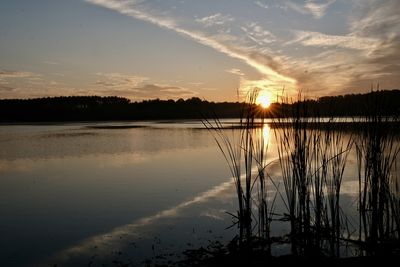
point(143, 49)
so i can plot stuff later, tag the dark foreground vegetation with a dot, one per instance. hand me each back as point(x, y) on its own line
point(96, 108)
point(312, 158)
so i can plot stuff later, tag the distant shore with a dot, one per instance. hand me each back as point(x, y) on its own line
point(104, 109)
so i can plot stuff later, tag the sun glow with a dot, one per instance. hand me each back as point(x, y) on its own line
point(265, 132)
point(264, 99)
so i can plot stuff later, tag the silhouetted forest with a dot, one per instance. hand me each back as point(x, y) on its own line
point(96, 108)
point(386, 101)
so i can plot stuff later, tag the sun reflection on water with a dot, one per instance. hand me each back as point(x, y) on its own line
point(266, 133)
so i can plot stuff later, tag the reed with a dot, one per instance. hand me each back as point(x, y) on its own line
point(264, 182)
point(338, 152)
point(245, 151)
point(312, 154)
point(312, 158)
point(377, 152)
point(295, 156)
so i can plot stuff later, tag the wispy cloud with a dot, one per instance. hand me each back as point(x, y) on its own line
point(258, 34)
point(24, 84)
point(368, 51)
point(137, 87)
point(351, 41)
point(378, 18)
point(196, 84)
point(287, 4)
point(11, 80)
point(5, 88)
point(119, 80)
point(262, 63)
point(316, 9)
point(216, 19)
point(163, 92)
point(16, 74)
point(235, 72)
point(261, 4)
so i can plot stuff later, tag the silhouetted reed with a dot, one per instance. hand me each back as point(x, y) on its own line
point(312, 153)
point(312, 157)
point(377, 152)
point(337, 152)
point(246, 151)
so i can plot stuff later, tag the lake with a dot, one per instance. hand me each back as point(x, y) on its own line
point(93, 193)
point(71, 191)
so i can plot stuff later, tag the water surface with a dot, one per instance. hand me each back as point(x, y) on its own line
point(64, 188)
point(94, 193)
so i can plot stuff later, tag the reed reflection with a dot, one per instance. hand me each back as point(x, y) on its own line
point(313, 153)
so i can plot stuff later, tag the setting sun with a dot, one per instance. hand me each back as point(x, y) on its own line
point(264, 99)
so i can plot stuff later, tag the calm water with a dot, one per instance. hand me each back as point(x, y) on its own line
point(71, 192)
point(76, 194)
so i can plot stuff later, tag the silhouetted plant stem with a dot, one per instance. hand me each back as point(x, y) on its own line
point(377, 153)
point(249, 150)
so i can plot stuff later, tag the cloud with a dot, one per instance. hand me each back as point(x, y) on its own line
point(235, 72)
point(320, 62)
point(263, 85)
point(264, 64)
point(317, 10)
point(5, 88)
point(23, 84)
point(261, 4)
point(163, 92)
point(369, 53)
point(216, 19)
point(4, 74)
point(119, 80)
point(294, 6)
point(136, 87)
point(19, 84)
point(351, 41)
point(257, 34)
point(378, 18)
point(11, 81)
point(197, 84)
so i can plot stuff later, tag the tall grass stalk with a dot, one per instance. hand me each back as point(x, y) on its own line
point(312, 159)
point(244, 149)
point(338, 152)
point(266, 201)
point(313, 156)
point(295, 156)
point(377, 152)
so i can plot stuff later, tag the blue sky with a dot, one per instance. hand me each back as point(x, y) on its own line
point(144, 49)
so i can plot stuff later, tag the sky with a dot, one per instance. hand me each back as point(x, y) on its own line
point(213, 49)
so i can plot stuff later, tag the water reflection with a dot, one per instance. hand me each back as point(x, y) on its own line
point(120, 237)
point(20, 142)
point(266, 132)
point(69, 192)
point(67, 185)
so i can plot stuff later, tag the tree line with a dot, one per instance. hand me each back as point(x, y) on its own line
point(97, 108)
